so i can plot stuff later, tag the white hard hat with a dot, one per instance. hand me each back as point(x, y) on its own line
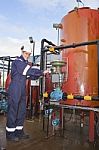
point(26, 48)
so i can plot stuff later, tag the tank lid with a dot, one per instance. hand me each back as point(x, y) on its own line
point(76, 8)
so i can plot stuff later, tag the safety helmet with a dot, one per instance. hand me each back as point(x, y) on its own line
point(26, 48)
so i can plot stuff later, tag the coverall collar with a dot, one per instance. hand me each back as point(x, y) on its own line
point(23, 58)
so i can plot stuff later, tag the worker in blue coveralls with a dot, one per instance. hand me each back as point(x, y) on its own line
point(20, 70)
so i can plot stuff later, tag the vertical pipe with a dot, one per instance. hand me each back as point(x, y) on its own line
point(33, 52)
point(31, 87)
point(43, 61)
point(41, 65)
point(58, 40)
point(8, 71)
point(3, 73)
point(31, 105)
point(91, 126)
point(62, 121)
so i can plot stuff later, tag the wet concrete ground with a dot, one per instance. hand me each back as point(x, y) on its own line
point(74, 138)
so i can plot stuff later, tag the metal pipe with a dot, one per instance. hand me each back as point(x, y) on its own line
point(3, 73)
point(8, 66)
point(79, 107)
point(33, 52)
point(3, 68)
point(74, 45)
point(6, 58)
point(43, 60)
point(43, 51)
point(74, 107)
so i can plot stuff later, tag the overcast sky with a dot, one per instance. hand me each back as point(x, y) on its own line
point(20, 19)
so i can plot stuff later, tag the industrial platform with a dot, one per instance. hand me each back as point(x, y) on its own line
point(74, 138)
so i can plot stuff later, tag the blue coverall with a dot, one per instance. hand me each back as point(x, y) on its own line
point(17, 95)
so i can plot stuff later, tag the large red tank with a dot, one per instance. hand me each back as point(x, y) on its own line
point(78, 26)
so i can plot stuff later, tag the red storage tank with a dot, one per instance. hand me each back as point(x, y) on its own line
point(78, 26)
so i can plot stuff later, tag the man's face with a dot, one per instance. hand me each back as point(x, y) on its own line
point(26, 55)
